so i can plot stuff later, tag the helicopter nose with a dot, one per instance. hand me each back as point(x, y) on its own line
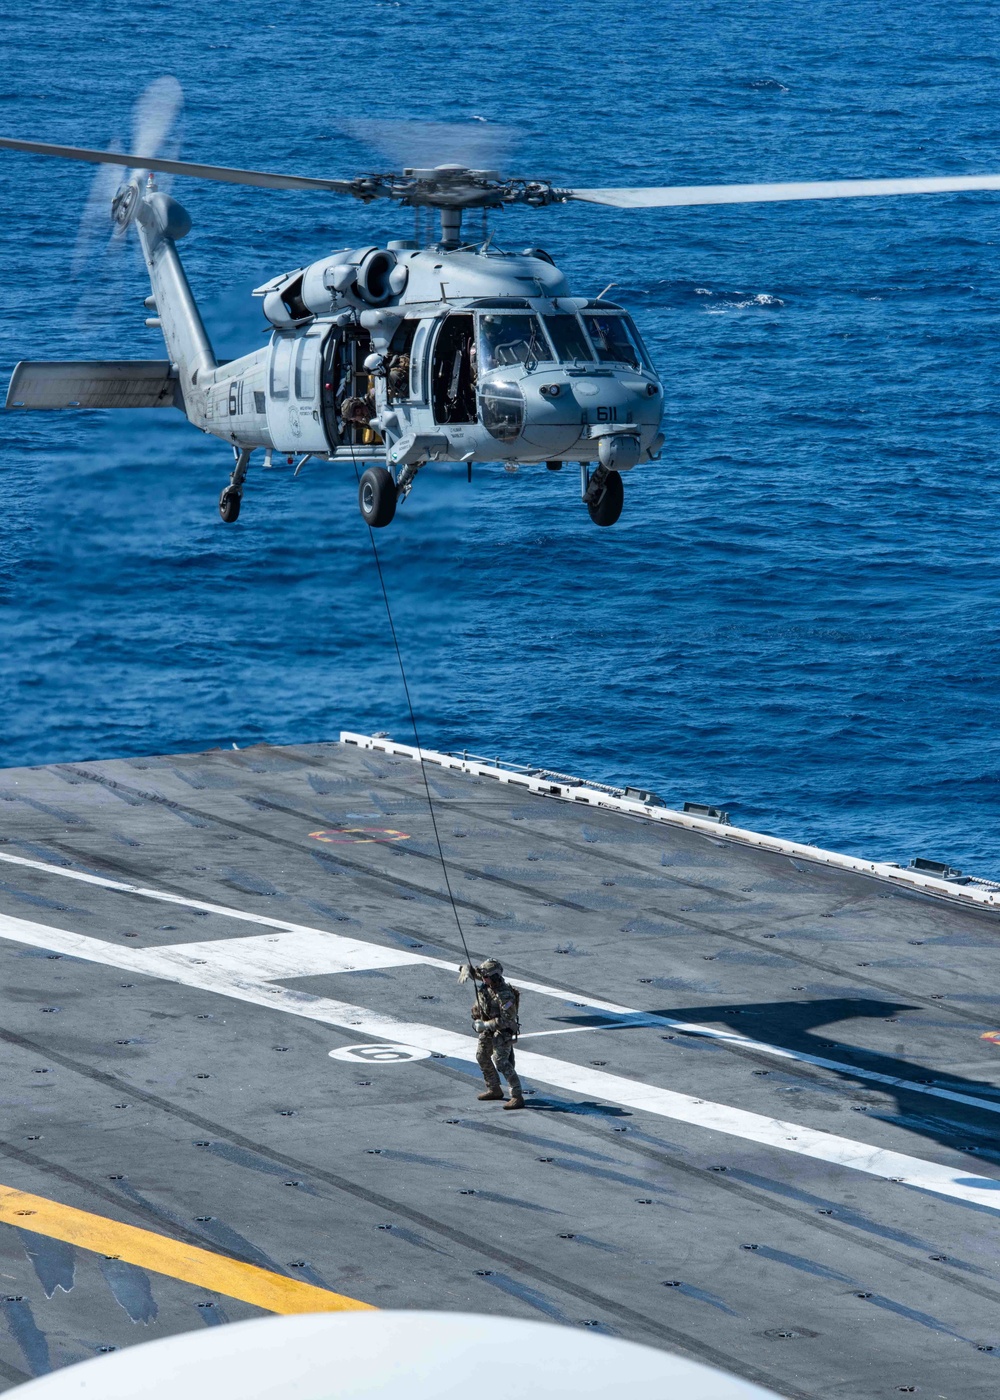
point(567, 408)
point(595, 394)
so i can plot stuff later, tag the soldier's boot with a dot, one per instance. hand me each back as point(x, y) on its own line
point(492, 1091)
point(516, 1099)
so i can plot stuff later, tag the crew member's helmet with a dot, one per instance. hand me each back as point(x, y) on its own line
point(355, 410)
point(491, 968)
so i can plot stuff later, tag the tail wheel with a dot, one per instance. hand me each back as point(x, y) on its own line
point(229, 504)
point(608, 506)
point(377, 496)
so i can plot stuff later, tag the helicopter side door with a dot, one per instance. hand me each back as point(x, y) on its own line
point(344, 378)
point(453, 370)
point(419, 362)
point(294, 401)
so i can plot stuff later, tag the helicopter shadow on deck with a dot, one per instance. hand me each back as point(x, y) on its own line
point(793, 1025)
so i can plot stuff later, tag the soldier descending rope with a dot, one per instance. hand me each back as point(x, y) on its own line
point(495, 1017)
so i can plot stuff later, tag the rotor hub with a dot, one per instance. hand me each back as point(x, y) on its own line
point(453, 187)
point(124, 203)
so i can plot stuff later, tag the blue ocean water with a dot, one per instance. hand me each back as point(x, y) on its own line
point(797, 615)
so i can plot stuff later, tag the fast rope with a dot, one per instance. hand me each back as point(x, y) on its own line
point(413, 725)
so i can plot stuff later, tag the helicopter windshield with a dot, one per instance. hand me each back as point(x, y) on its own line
point(612, 341)
point(511, 340)
point(568, 338)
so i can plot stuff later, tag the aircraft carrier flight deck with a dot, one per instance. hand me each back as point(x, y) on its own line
point(239, 1070)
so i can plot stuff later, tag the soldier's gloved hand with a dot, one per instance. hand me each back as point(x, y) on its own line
point(480, 1026)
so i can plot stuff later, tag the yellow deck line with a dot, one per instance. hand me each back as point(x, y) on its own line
point(164, 1255)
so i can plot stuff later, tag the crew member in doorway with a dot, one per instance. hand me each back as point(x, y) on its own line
point(495, 1017)
point(397, 377)
point(358, 410)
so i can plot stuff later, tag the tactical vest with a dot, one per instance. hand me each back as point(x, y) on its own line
point(492, 1008)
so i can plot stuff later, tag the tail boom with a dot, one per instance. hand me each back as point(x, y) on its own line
point(159, 221)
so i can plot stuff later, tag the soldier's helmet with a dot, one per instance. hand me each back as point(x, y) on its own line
point(355, 410)
point(491, 968)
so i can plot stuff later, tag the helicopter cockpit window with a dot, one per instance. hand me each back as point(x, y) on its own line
point(568, 338)
point(511, 340)
point(612, 341)
point(640, 345)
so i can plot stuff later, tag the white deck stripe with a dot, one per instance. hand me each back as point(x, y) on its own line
point(172, 965)
point(626, 1023)
point(572, 998)
point(283, 956)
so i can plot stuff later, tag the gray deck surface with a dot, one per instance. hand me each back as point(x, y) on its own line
point(391, 1183)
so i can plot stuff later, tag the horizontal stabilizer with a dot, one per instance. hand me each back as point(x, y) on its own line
point(93, 384)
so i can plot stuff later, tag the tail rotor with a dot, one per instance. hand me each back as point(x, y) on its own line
point(93, 230)
point(156, 117)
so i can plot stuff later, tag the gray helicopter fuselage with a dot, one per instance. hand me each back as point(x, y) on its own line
point(501, 364)
point(387, 358)
point(403, 355)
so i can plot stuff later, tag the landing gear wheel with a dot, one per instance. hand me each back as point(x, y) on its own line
point(377, 496)
point(229, 504)
point(608, 506)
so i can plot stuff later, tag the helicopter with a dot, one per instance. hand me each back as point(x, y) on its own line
point(388, 358)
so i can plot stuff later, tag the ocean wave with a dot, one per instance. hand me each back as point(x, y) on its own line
point(738, 301)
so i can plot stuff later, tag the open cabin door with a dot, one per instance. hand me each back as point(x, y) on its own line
point(344, 376)
point(453, 370)
point(311, 373)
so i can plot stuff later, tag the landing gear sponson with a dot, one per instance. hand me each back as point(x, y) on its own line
point(602, 492)
point(377, 496)
point(232, 495)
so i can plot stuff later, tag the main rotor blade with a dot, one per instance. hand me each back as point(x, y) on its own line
point(226, 174)
point(155, 114)
point(476, 144)
point(654, 197)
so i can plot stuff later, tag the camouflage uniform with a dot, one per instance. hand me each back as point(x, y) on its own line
point(496, 1004)
point(397, 377)
point(358, 410)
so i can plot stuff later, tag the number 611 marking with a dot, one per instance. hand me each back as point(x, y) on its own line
point(379, 1054)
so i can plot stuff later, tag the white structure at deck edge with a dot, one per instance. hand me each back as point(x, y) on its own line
point(978, 894)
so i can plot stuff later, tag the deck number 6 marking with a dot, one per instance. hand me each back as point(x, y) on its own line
point(379, 1054)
